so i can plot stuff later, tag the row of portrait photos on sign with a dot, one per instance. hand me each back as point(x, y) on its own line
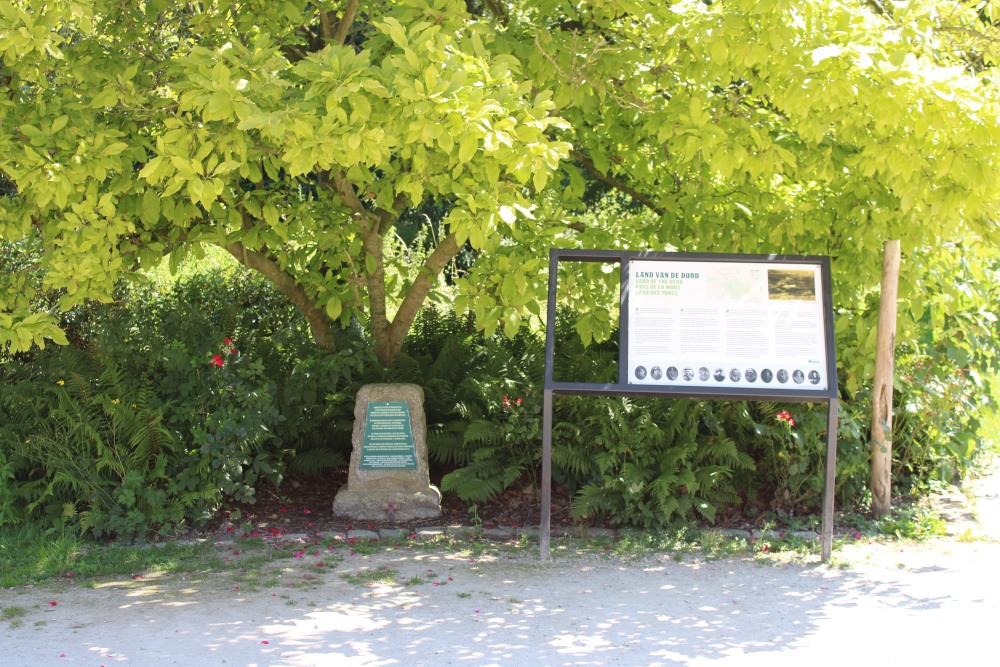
point(688, 374)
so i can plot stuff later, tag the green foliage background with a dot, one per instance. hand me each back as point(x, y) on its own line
point(368, 160)
point(133, 429)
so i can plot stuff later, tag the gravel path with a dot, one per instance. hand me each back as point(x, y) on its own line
point(933, 603)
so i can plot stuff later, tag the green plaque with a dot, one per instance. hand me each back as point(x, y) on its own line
point(388, 441)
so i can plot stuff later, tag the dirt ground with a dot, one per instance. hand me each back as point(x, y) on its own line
point(931, 603)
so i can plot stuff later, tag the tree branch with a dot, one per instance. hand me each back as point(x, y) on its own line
point(319, 324)
point(387, 218)
point(371, 241)
point(339, 35)
point(415, 296)
point(592, 169)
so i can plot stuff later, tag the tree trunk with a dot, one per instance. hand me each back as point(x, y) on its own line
point(881, 440)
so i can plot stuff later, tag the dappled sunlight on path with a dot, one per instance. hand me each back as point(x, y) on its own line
point(575, 611)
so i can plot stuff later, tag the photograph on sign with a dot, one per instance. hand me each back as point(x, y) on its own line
point(727, 325)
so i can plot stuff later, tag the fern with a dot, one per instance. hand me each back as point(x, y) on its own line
point(573, 461)
point(446, 444)
point(315, 461)
point(478, 482)
point(89, 453)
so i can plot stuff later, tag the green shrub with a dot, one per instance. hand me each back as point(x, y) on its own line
point(284, 403)
point(655, 461)
point(504, 448)
point(84, 447)
point(941, 403)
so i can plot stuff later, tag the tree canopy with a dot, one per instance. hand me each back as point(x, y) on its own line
point(298, 134)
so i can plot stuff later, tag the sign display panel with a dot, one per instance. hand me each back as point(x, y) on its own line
point(388, 440)
point(747, 325)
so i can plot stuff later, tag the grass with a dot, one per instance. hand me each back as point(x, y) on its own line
point(381, 575)
point(13, 616)
point(910, 522)
point(29, 556)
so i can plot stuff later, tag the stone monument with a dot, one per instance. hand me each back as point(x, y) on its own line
point(388, 478)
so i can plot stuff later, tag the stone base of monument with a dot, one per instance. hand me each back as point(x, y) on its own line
point(388, 478)
point(374, 505)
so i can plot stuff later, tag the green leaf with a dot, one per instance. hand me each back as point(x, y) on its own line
point(219, 107)
point(149, 211)
point(468, 146)
point(334, 308)
point(114, 149)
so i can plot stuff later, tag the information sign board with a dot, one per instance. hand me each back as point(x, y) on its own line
point(388, 440)
point(732, 324)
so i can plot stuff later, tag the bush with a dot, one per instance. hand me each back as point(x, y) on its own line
point(278, 402)
point(84, 447)
point(222, 366)
point(655, 461)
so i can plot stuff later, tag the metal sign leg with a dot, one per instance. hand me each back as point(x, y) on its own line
point(831, 478)
point(544, 529)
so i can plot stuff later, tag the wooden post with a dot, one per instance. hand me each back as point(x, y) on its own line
point(885, 345)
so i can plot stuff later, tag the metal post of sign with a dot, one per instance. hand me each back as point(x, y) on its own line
point(545, 528)
point(831, 476)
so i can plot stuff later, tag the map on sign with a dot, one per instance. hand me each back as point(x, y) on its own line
point(727, 325)
point(732, 285)
point(388, 440)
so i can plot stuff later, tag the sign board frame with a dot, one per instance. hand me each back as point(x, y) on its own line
point(724, 281)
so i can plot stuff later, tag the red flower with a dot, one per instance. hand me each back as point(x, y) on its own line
point(785, 416)
point(227, 341)
point(217, 360)
point(520, 400)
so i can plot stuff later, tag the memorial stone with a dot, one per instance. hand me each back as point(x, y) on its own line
point(388, 478)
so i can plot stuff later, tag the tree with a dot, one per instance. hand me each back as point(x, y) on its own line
point(293, 134)
point(296, 134)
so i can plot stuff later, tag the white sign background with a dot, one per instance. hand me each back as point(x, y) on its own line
point(727, 324)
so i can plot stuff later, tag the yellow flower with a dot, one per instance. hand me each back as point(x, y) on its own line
point(116, 401)
point(60, 382)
